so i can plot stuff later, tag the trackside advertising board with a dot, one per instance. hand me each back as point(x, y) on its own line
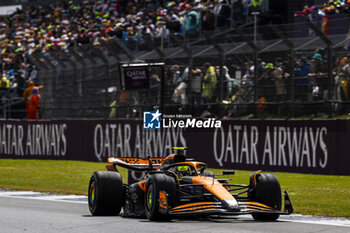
point(302, 146)
point(136, 78)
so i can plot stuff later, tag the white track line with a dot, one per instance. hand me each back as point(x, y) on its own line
point(80, 199)
point(342, 222)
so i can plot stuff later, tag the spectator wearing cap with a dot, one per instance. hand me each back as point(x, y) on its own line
point(28, 91)
point(302, 80)
point(267, 84)
point(317, 68)
point(319, 78)
point(4, 86)
point(320, 51)
point(34, 104)
point(27, 95)
point(281, 90)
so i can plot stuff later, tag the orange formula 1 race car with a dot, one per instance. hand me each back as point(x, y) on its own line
point(176, 186)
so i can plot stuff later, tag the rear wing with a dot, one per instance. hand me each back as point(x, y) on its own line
point(136, 164)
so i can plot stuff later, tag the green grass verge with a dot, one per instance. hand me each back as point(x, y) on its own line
point(66, 177)
point(310, 194)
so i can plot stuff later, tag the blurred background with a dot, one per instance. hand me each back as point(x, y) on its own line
point(222, 59)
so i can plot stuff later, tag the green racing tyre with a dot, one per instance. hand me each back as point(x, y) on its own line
point(267, 191)
point(156, 183)
point(106, 193)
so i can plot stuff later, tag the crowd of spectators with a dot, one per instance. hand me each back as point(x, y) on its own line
point(90, 23)
point(310, 89)
point(329, 8)
point(65, 24)
point(273, 86)
point(69, 23)
point(317, 14)
point(311, 84)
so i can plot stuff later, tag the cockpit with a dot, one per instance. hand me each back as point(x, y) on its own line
point(182, 170)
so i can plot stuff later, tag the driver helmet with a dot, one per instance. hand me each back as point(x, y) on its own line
point(183, 170)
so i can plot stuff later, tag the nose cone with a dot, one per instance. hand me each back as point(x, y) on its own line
point(231, 205)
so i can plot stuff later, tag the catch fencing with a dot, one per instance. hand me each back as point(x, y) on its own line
point(82, 81)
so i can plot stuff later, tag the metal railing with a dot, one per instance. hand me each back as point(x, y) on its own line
point(12, 107)
point(82, 82)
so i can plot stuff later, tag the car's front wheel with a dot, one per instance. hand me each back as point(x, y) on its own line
point(267, 191)
point(159, 182)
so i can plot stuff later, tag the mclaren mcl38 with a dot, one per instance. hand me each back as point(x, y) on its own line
point(177, 186)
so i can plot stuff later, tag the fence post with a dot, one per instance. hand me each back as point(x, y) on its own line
point(44, 66)
point(292, 64)
point(114, 52)
point(162, 57)
point(221, 63)
point(188, 51)
point(329, 44)
point(155, 48)
point(255, 49)
point(124, 48)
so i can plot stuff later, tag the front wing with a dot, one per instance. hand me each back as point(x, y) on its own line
point(217, 208)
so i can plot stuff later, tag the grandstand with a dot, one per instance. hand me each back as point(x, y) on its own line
point(76, 49)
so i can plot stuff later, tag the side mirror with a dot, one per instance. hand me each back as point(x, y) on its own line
point(228, 172)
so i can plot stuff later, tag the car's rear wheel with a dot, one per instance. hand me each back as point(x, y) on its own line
point(267, 191)
point(106, 193)
point(156, 183)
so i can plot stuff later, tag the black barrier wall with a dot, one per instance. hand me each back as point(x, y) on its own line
point(302, 146)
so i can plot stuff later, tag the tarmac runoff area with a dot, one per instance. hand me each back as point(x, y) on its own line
point(25, 211)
